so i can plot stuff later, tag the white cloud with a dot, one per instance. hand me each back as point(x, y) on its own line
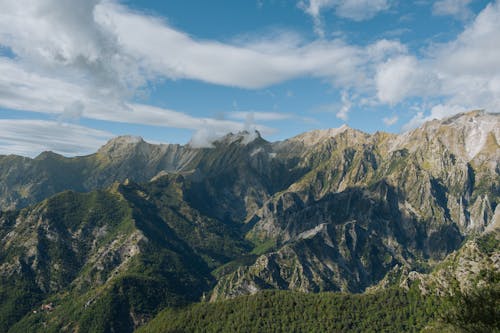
point(22, 90)
point(65, 63)
point(356, 10)
point(111, 43)
point(150, 115)
point(456, 8)
point(203, 138)
point(256, 64)
point(87, 58)
point(72, 112)
point(393, 78)
point(439, 111)
point(343, 113)
point(359, 10)
point(313, 8)
point(402, 77)
point(30, 137)
point(389, 121)
point(463, 74)
point(476, 51)
point(206, 135)
point(64, 38)
point(259, 116)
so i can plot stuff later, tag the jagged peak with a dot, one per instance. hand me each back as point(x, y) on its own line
point(468, 115)
point(476, 127)
point(120, 142)
point(314, 137)
point(465, 134)
point(465, 119)
point(243, 137)
point(209, 139)
point(125, 139)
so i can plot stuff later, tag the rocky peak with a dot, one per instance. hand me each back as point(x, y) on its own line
point(464, 135)
point(243, 137)
point(477, 127)
point(317, 136)
point(120, 145)
point(123, 140)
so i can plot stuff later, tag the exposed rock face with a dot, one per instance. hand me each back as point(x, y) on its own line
point(474, 265)
point(408, 198)
point(326, 210)
point(26, 181)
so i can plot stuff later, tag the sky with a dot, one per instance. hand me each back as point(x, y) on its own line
point(74, 74)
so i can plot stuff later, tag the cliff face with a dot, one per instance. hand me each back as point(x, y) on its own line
point(158, 225)
point(368, 203)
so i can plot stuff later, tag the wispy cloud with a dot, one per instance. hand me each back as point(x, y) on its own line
point(30, 137)
point(89, 63)
point(343, 113)
point(356, 10)
point(359, 10)
point(256, 64)
point(456, 8)
point(86, 59)
point(21, 90)
point(389, 121)
point(259, 116)
point(114, 44)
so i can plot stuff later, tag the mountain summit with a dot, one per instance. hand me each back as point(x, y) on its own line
point(109, 239)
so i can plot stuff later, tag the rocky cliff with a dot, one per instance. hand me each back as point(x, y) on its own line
point(137, 227)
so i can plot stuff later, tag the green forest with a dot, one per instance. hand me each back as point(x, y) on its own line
point(391, 310)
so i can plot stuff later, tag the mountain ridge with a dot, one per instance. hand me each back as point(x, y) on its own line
point(125, 231)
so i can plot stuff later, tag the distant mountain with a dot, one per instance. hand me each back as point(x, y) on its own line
point(107, 240)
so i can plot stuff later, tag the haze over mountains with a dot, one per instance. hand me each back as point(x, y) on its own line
point(137, 227)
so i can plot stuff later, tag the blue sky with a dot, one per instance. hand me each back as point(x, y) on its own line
point(75, 73)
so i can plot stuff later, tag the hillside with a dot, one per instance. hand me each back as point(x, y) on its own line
point(110, 239)
point(434, 302)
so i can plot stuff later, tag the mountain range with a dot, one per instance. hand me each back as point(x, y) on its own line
point(106, 241)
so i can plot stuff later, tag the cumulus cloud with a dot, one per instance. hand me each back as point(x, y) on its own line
point(30, 137)
point(394, 78)
point(459, 75)
point(402, 77)
point(456, 8)
point(132, 48)
point(22, 90)
point(65, 38)
point(86, 59)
